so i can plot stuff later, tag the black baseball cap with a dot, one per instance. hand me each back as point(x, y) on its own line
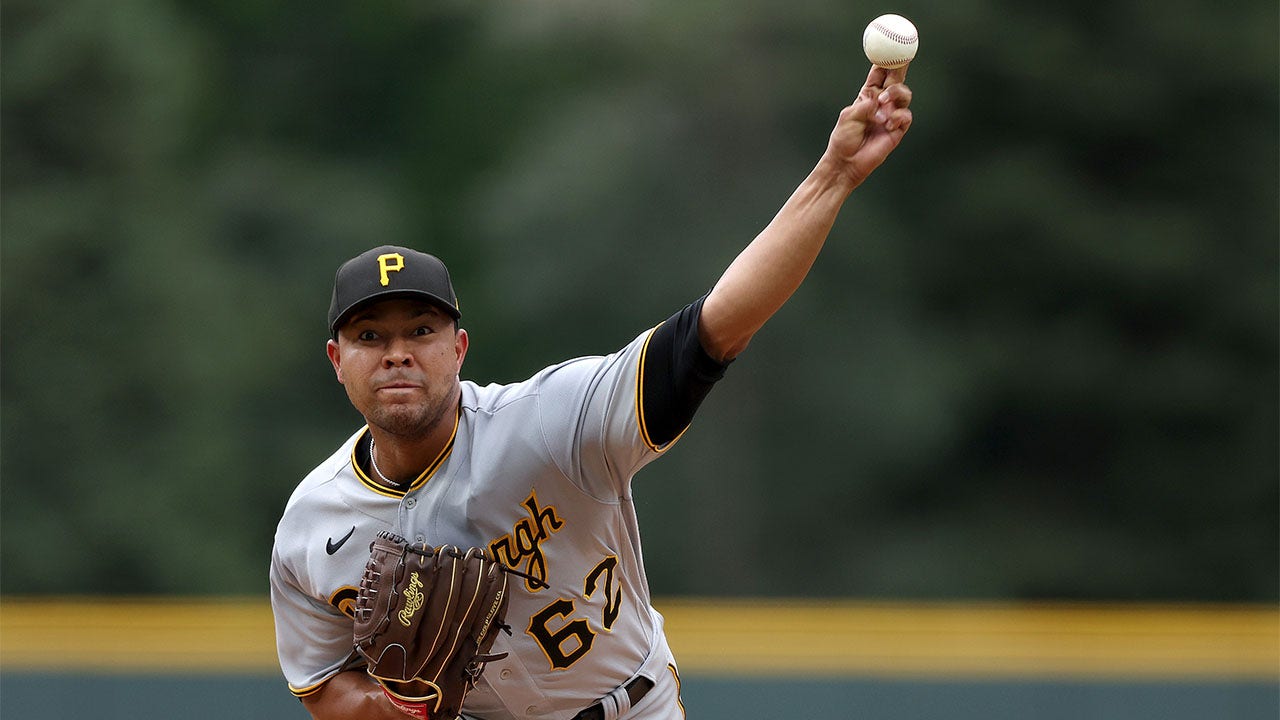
point(386, 272)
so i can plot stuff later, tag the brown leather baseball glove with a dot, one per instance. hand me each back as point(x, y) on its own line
point(425, 619)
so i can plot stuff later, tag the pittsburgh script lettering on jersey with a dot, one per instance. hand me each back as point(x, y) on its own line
point(525, 541)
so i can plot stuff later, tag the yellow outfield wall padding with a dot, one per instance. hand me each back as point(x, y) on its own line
point(976, 640)
point(716, 636)
point(162, 634)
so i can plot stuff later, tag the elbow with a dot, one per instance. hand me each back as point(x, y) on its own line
point(723, 350)
point(722, 330)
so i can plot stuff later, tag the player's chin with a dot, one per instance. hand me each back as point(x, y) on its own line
point(406, 419)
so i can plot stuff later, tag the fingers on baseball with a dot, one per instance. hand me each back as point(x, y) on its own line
point(879, 78)
point(894, 93)
point(875, 77)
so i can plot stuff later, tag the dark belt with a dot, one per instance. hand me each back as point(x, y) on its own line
point(636, 689)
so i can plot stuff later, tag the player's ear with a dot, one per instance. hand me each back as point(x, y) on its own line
point(460, 344)
point(335, 357)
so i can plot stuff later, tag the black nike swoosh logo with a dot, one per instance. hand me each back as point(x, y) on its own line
point(332, 547)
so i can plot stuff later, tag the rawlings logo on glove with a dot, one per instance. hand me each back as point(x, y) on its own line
point(412, 601)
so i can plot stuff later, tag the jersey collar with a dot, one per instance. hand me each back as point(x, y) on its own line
point(419, 481)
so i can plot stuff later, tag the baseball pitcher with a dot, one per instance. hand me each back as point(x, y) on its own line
point(472, 550)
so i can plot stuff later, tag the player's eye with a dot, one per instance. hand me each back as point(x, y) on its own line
point(423, 330)
point(367, 336)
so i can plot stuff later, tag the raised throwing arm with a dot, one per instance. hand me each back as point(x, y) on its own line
point(771, 268)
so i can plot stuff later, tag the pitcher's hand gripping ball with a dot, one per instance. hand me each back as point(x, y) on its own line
point(890, 41)
point(425, 620)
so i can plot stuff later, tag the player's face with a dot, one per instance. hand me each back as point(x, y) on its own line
point(399, 362)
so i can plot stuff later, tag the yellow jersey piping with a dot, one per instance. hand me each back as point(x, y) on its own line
point(310, 689)
point(421, 479)
point(644, 430)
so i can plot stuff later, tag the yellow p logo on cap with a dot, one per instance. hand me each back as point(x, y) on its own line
point(391, 262)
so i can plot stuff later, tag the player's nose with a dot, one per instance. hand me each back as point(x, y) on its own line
point(397, 355)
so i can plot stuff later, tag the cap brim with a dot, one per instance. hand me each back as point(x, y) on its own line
point(436, 300)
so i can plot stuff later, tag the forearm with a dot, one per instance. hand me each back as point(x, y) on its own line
point(351, 695)
point(770, 269)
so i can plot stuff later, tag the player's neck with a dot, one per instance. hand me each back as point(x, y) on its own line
point(397, 461)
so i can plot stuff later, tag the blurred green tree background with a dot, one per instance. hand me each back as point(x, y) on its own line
point(1038, 358)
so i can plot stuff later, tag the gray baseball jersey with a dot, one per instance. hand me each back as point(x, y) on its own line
point(538, 471)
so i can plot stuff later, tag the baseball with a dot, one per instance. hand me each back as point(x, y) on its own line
point(890, 41)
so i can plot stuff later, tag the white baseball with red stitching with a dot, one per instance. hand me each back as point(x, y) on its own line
point(890, 41)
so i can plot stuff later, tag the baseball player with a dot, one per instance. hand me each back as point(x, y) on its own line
point(537, 472)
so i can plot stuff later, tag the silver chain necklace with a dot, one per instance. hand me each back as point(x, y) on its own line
point(373, 460)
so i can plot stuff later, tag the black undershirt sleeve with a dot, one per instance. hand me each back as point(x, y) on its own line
point(676, 376)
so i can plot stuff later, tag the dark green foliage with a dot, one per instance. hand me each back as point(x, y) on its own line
point(1038, 358)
